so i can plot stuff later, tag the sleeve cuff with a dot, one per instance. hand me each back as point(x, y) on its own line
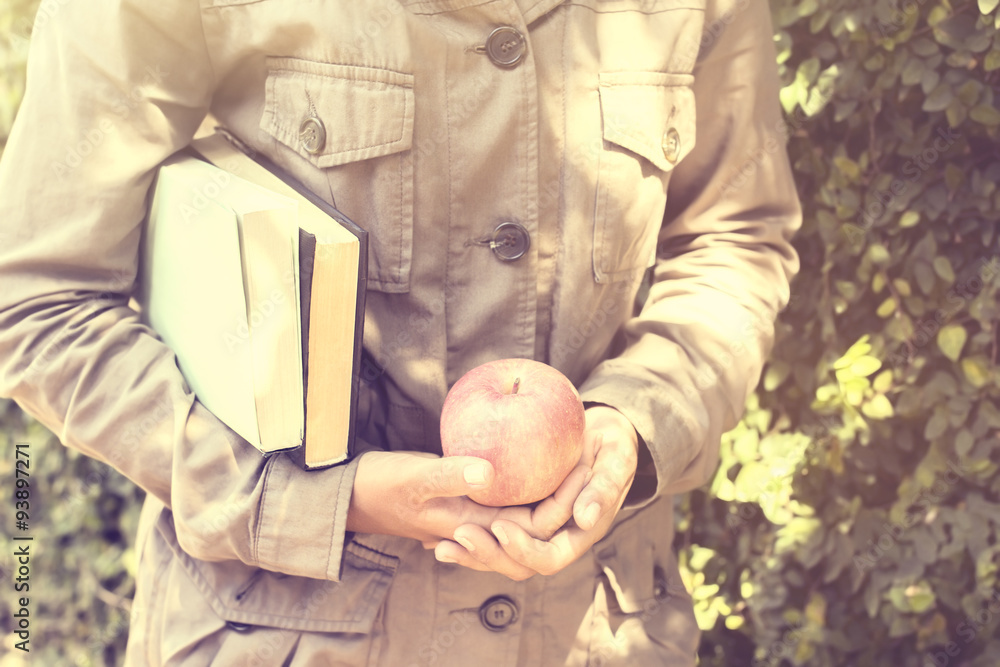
point(673, 436)
point(303, 518)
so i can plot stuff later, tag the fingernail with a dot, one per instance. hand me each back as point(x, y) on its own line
point(475, 474)
point(501, 535)
point(469, 546)
point(445, 559)
point(591, 515)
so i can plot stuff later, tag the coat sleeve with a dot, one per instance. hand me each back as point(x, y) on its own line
point(724, 261)
point(114, 87)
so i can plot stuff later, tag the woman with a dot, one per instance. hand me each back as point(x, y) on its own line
point(520, 166)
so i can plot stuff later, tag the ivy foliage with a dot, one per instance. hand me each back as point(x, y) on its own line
point(82, 520)
point(854, 517)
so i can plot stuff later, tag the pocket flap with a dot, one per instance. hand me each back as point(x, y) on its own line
point(242, 594)
point(359, 112)
point(651, 114)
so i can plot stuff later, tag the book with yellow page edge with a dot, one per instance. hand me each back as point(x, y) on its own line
point(258, 285)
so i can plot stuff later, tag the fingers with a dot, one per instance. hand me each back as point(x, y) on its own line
point(477, 549)
point(511, 551)
point(518, 553)
point(538, 556)
point(614, 469)
point(552, 513)
point(453, 476)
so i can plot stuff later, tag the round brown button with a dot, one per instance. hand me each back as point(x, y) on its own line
point(510, 241)
point(671, 145)
point(505, 46)
point(312, 135)
point(498, 613)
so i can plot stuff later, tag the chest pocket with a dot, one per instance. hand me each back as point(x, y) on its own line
point(648, 126)
point(356, 124)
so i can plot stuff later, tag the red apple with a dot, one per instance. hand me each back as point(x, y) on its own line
point(524, 417)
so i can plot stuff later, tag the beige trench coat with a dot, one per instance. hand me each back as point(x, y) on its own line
point(574, 122)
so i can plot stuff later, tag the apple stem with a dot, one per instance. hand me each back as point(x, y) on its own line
point(517, 382)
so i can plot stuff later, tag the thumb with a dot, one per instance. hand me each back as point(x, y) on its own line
point(450, 476)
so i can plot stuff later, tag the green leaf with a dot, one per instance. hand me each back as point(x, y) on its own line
point(878, 254)
point(724, 490)
point(930, 80)
point(777, 372)
point(847, 167)
point(951, 340)
point(699, 557)
point(860, 348)
point(847, 289)
point(924, 274)
point(940, 98)
point(963, 442)
point(878, 407)
point(992, 60)
point(956, 113)
point(969, 92)
point(854, 391)
point(954, 177)
point(789, 96)
point(909, 219)
point(985, 114)
point(876, 63)
point(815, 611)
point(925, 47)
point(942, 267)
point(809, 69)
point(977, 372)
point(921, 597)
point(809, 7)
point(913, 72)
point(819, 20)
point(751, 481)
point(795, 532)
point(936, 425)
point(878, 282)
point(865, 366)
point(883, 381)
point(887, 308)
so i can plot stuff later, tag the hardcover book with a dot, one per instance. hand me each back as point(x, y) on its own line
point(258, 286)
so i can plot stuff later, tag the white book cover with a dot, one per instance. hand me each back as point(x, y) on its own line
point(219, 284)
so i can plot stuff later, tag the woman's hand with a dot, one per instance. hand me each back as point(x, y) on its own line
point(606, 471)
point(422, 496)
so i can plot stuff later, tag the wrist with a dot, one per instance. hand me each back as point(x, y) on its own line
point(603, 417)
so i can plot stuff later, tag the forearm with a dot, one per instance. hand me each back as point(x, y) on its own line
point(723, 268)
point(100, 113)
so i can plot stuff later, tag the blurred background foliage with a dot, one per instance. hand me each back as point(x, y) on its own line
point(854, 516)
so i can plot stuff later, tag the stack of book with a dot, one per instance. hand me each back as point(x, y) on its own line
point(258, 286)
